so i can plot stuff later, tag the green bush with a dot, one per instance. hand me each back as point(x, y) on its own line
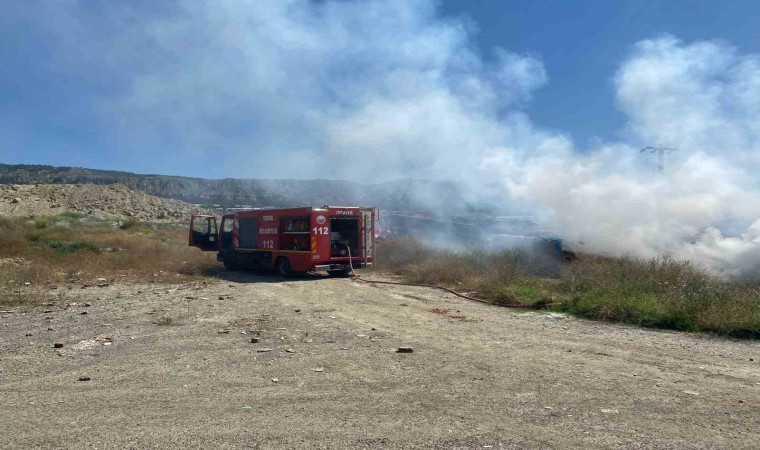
point(71, 215)
point(67, 246)
point(42, 222)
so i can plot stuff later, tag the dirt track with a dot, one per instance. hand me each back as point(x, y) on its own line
point(178, 372)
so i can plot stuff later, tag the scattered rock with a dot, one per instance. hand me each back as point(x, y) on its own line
point(58, 345)
point(290, 350)
point(84, 378)
point(319, 369)
point(223, 331)
point(610, 411)
point(263, 350)
point(275, 380)
point(254, 340)
point(691, 392)
point(556, 316)
point(16, 200)
point(298, 310)
point(83, 313)
point(404, 350)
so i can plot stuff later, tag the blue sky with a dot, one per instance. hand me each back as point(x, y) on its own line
point(583, 43)
point(235, 89)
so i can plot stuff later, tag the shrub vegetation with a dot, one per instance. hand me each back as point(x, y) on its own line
point(39, 252)
point(659, 292)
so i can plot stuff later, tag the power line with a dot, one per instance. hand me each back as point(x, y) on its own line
point(660, 155)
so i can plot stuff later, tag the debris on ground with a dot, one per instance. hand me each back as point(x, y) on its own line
point(556, 316)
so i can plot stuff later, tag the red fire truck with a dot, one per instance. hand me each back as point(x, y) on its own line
point(289, 240)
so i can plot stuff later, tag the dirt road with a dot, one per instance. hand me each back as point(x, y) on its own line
point(174, 366)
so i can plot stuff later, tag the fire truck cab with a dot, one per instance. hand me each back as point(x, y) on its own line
point(290, 240)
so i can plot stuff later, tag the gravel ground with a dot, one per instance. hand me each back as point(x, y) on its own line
point(173, 366)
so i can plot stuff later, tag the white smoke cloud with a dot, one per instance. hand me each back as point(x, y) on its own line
point(701, 98)
point(359, 90)
point(380, 90)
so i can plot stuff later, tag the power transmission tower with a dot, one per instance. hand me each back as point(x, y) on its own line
point(660, 155)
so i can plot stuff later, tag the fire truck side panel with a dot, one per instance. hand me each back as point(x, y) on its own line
point(319, 236)
point(310, 238)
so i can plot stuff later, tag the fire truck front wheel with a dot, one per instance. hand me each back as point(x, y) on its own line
point(283, 266)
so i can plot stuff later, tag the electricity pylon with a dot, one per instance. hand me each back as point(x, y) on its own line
point(660, 155)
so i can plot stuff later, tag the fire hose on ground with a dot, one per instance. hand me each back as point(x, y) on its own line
point(442, 288)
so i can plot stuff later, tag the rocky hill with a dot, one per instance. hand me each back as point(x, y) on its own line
point(406, 195)
point(105, 202)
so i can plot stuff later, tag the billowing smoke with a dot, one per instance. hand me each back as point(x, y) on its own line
point(373, 91)
point(701, 99)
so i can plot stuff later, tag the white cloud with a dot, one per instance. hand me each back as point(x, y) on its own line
point(700, 97)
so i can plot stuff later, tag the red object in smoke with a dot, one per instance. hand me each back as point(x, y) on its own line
point(380, 232)
point(290, 239)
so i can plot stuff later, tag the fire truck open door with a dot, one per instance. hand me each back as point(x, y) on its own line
point(203, 232)
point(369, 216)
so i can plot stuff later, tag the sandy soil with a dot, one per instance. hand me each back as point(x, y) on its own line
point(173, 367)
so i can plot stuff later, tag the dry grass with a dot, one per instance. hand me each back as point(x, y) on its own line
point(660, 292)
point(41, 252)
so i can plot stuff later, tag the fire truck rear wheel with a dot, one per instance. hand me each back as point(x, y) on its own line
point(283, 266)
point(339, 273)
point(231, 263)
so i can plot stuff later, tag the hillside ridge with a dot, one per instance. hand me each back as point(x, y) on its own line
point(114, 201)
point(394, 195)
